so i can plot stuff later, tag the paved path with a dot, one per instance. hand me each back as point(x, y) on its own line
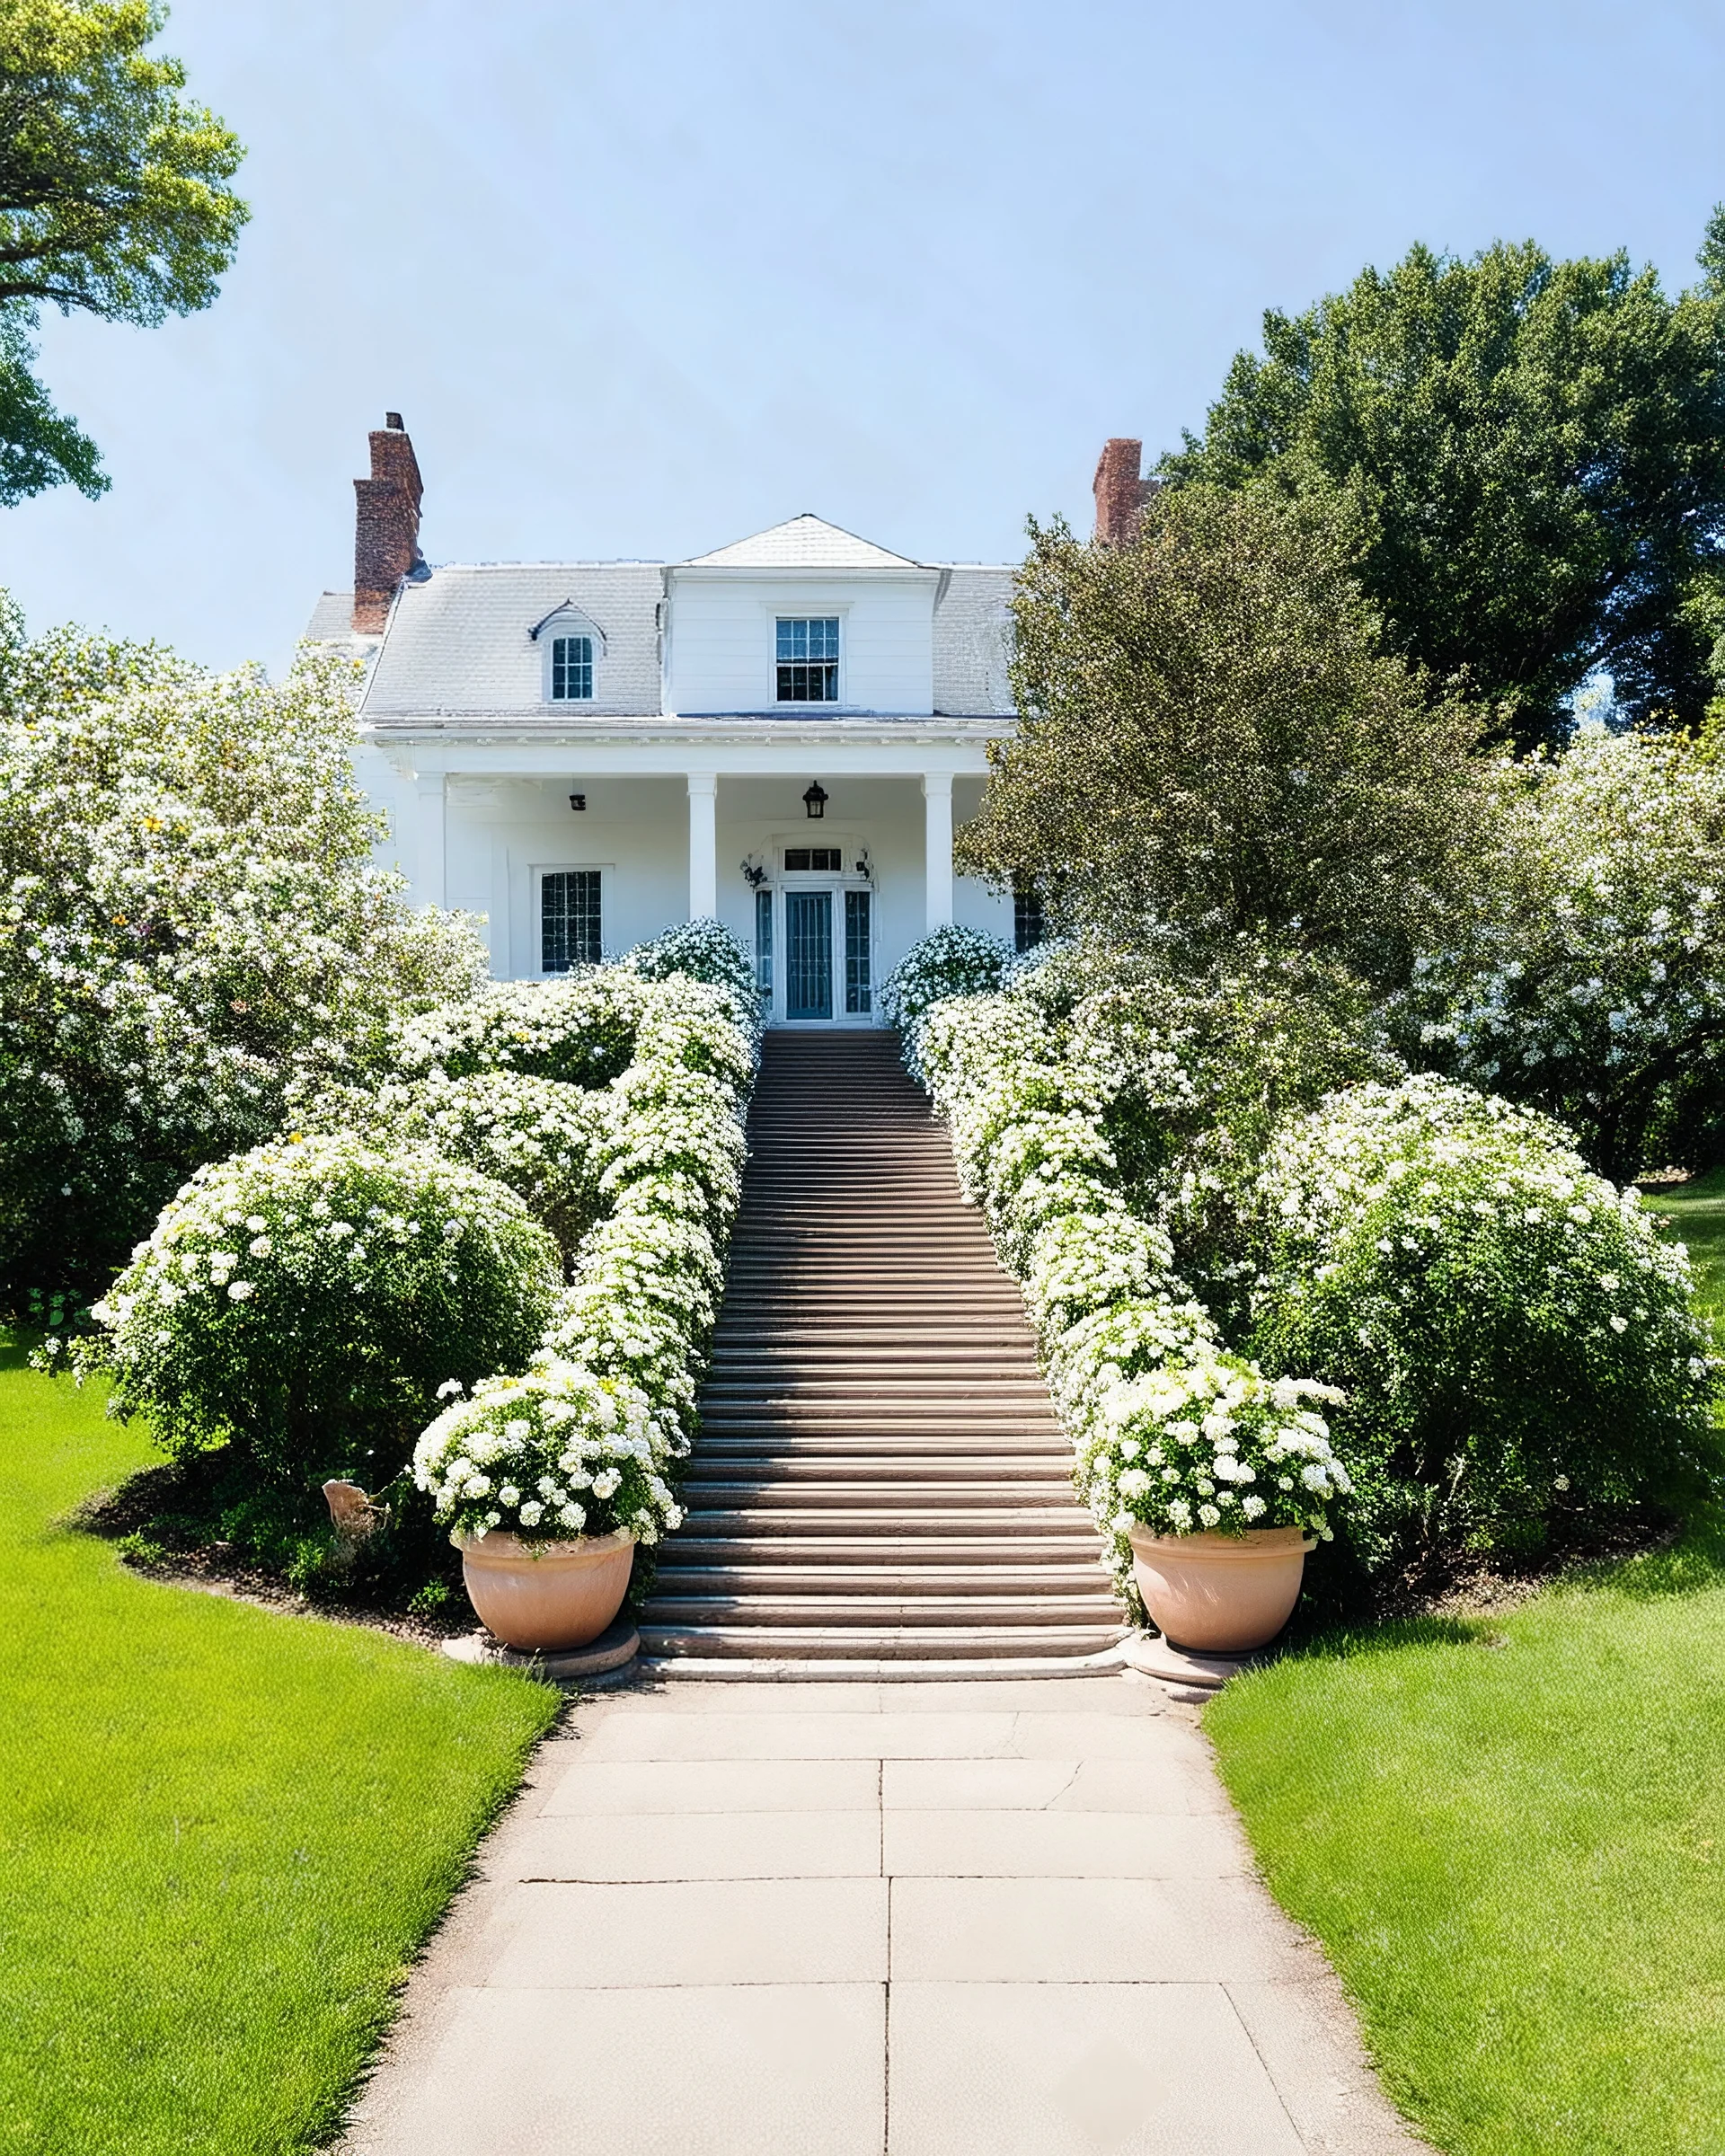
point(1003, 1919)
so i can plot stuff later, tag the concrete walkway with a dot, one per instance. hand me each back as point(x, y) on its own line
point(1004, 1918)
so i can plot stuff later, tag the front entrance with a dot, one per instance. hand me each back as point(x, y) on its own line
point(827, 934)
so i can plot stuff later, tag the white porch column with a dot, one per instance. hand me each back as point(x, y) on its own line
point(704, 845)
point(429, 861)
point(937, 846)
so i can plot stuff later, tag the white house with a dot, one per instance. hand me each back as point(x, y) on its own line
point(782, 734)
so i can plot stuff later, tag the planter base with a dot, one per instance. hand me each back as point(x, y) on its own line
point(611, 1653)
point(1152, 1656)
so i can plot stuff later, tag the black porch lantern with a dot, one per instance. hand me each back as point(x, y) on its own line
point(815, 800)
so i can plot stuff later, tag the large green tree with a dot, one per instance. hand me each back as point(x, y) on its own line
point(1535, 452)
point(114, 201)
point(1213, 738)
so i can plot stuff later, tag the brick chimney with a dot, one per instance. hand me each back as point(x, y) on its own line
point(1120, 494)
point(386, 524)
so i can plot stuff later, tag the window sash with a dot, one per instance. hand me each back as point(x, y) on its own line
point(569, 919)
point(806, 653)
point(571, 669)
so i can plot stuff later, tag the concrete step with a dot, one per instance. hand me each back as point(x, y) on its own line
point(961, 1611)
point(890, 1642)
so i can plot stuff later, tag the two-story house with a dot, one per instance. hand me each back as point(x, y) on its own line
point(781, 734)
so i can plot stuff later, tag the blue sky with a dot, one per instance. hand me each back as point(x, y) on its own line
point(644, 278)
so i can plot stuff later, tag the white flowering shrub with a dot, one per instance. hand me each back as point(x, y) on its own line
point(191, 924)
point(628, 1336)
point(1135, 1362)
point(1587, 979)
point(303, 1301)
point(579, 1028)
point(702, 951)
point(547, 1456)
point(583, 1028)
point(951, 961)
point(547, 1141)
point(1192, 1448)
point(1194, 1075)
point(1515, 1342)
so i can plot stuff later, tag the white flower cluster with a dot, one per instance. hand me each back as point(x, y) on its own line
point(1135, 1365)
point(952, 961)
point(1440, 1168)
point(557, 1454)
point(702, 951)
point(1589, 973)
point(190, 921)
point(542, 1139)
point(1195, 1445)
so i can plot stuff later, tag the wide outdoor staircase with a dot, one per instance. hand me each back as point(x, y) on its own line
point(879, 1477)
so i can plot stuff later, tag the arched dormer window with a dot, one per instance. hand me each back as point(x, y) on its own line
point(571, 669)
point(573, 649)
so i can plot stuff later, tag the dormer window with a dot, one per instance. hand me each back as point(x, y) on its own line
point(808, 658)
point(571, 669)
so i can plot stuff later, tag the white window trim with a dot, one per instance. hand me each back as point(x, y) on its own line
point(805, 610)
point(568, 620)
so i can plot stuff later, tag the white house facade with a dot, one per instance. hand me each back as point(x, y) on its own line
point(782, 735)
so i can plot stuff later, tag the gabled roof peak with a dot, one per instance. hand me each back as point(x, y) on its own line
point(805, 542)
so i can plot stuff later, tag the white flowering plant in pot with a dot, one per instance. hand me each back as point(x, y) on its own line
point(556, 1453)
point(1208, 1446)
point(303, 1301)
point(1517, 1342)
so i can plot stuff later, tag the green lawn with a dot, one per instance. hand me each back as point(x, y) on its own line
point(1695, 1214)
point(223, 1832)
point(1510, 1835)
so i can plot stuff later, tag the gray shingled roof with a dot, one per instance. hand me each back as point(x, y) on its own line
point(972, 640)
point(461, 642)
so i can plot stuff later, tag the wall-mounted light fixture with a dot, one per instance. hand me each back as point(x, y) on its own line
point(577, 802)
point(815, 800)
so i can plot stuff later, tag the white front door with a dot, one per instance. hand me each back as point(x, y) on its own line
point(822, 935)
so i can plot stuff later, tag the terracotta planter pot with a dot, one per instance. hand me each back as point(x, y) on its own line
point(546, 1594)
point(1220, 1594)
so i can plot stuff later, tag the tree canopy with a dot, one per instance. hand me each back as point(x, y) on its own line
point(1212, 737)
point(1535, 452)
point(114, 201)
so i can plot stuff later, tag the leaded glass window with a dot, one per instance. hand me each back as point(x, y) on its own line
point(569, 919)
point(807, 660)
point(571, 669)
